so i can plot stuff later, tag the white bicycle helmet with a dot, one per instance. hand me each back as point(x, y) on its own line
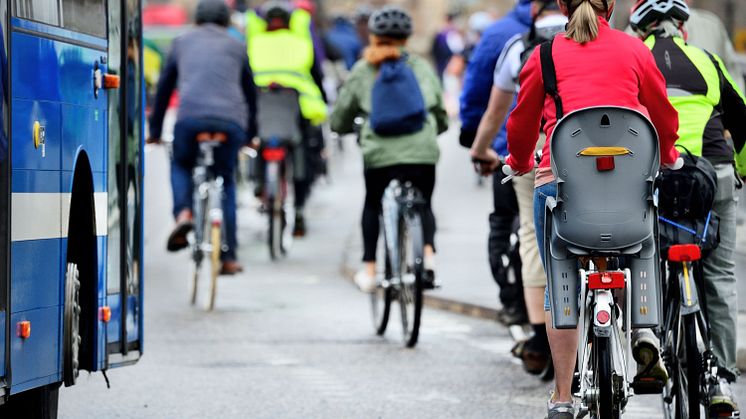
point(647, 12)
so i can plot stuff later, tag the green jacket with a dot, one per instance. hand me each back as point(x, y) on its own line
point(418, 148)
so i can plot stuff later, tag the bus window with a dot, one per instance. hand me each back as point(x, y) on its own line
point(44, 11)
point(86, 16)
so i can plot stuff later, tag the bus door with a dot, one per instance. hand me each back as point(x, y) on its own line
point(4, 195)
point(124, 286)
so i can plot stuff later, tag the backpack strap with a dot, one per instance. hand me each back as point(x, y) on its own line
point(549, 75)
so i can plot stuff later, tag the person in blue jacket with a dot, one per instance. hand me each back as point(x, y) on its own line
point(474, 99)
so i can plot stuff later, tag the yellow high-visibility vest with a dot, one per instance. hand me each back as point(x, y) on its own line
point(286, 57)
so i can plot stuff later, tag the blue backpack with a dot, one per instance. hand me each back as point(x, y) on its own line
point(397, 105)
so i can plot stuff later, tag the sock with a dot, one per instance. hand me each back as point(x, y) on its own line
point(539, 341)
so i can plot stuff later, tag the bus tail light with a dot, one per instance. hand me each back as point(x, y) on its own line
point(104, 314)
point(23, 329)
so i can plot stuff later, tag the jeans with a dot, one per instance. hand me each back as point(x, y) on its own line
point(719, 273)
point(540, 199)
point(185, 153)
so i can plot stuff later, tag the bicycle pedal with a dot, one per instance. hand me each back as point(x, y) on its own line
point(648, 386)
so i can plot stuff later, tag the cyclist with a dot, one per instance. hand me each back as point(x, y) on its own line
point(281, 48)
point(595, 66)
point(217, 94)
point(547, 22)
point(707, 98)
point(474, 100)
point(410, 157)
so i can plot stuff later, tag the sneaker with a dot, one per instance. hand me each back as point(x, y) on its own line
point(646, 351)
point(231, 267)
point(177, 240)
point(510, 316)
point(535, 362)
point(722, 404)
point(560, 410)
point(365, 282)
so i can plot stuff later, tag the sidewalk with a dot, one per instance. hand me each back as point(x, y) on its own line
point(461, 209)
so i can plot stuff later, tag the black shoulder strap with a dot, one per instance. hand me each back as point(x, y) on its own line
point(549, 75)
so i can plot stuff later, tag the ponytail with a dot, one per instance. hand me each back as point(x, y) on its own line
point(583, 24)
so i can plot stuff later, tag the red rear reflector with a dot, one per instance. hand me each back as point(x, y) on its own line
point(23, 329)
point(605, 163)
point(273, 154)
point(603, 316)
point(606, 280)
point(684, 253)
point(104, 314)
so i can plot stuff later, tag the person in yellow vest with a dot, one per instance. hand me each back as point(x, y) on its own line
point(281, 50)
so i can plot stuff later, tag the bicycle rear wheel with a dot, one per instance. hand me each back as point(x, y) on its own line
point(215, 263)
point(276, 228)
point(604, 376)
point(689, 378)
point(411, 243)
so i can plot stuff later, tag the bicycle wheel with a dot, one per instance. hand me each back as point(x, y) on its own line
point(411, 270)
point(381, 299)
point(197, 246)
point(688, 405)
point(276, 227)
point(604, 376)
point(216, 239)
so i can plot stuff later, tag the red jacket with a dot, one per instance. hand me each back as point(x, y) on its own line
point(613, 70)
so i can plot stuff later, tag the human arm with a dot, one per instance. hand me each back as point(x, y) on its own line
point(525, 120)
point(166, 87)
point(734, 114)
point(249, 92)
point(489, 126)
point(347, 106)
point(665, 118)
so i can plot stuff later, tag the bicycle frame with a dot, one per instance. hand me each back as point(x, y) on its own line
point(207, 200)
point(597, 299)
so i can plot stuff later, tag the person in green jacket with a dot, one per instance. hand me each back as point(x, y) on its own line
point(411, 157)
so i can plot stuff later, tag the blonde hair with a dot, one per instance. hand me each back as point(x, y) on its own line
point(583, 25)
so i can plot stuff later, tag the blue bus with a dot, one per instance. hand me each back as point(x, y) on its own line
point(71, 173)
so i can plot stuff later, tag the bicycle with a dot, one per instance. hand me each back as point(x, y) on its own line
point(591, 225)
point(209, 238)
point(685, 336)
point(404, 273)
point(279, 132)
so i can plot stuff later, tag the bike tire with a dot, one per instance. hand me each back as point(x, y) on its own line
point(693, 369)
point(606, 407)
point(216, 240)
point(411, 245)
point(276, 228)
point(383, 296)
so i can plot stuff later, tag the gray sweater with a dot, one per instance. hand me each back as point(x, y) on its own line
point(211, 71)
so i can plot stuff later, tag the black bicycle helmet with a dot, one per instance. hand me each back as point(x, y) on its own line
point(647, 12)
point(390, 21)
point(278, 9)
point(212, 11)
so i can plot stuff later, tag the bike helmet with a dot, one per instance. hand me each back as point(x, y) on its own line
point(277, 12)
point(212, 11)
point(390, 21)
point(647, 12)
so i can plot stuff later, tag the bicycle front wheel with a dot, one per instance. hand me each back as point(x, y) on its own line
point(411, 269)
point(215, 263)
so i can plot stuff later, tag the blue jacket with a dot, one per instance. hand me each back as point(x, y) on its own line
point(343, 35)
point(479, 72)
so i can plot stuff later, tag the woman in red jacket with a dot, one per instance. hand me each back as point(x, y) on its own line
point(595, 66)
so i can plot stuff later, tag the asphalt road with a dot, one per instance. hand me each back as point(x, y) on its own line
point(294, 339)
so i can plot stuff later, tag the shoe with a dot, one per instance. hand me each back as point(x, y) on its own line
point(365, 282)
point(510, 316)
point(230, 267)
point(560, 410)
point(534, 362)
point(299, 228)
point(177, 240)
point(722, 404)
point(650, 368)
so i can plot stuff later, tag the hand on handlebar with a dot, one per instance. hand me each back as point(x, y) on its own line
point(509, 174)
point(485, 163)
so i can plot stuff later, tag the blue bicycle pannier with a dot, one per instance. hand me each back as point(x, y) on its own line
point(397, 105)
